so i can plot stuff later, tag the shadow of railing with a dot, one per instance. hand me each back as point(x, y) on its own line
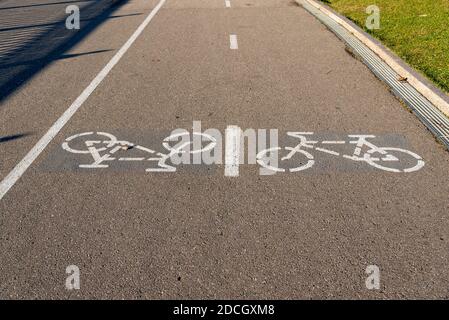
point(23, 60)
point(13, 137)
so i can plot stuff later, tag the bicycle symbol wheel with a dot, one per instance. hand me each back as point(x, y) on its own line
point(109, 142)
point(388, 158)
point(180, 149)
point(263, 159)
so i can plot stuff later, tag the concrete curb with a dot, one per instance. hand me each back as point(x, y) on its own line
point(429, 93)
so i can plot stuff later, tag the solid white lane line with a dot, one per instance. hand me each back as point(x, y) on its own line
point(233, 42)
point(232, 151)
point(26, 162)
point(228, 3)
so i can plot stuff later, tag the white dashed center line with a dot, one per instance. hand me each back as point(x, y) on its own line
point(233, 42)
point(228, 3)
point(232, 151)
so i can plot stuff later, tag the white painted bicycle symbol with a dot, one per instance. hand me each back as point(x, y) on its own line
point(385, 155)
point(106, 146)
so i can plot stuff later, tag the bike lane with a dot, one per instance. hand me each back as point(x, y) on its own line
point(196, 233)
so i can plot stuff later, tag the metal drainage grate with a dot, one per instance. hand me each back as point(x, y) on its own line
point(432, 118)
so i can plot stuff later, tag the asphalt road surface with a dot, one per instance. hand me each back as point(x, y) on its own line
point(210, 231)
